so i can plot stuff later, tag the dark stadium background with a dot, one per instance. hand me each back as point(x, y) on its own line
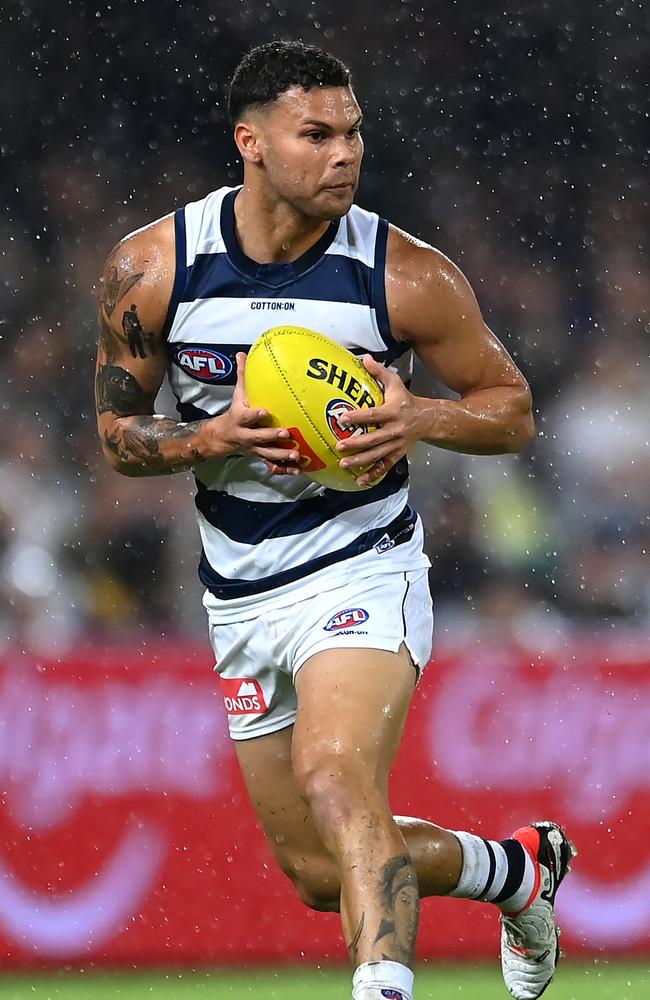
point(516, 142)
point(513, 137)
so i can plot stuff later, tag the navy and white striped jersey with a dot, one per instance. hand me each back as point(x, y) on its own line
point(262, 533)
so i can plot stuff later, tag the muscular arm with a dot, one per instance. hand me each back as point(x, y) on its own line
point(134, 298)
point(432, 306)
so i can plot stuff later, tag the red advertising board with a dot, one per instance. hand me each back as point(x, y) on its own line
point(126, 836)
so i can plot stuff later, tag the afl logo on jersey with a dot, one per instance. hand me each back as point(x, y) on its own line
point(346, 619)
point(203, 364)
point(333, 413)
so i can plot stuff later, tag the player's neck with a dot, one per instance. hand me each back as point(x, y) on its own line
point(271, 231)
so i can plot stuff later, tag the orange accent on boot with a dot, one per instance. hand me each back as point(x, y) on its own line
point(529, 839)
point(524, 952)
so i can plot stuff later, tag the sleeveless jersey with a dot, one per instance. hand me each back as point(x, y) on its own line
point(261, 532)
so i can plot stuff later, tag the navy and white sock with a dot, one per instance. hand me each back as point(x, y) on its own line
point(493, 871)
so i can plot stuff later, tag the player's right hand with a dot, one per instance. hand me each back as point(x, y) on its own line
point(244, 429)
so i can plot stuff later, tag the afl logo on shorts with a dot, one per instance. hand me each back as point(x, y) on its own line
point(333, 413)
point(346, 619)
point(203, 364)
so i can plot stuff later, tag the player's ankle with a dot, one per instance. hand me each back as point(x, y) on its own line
point(379, 980)
point(500, 872)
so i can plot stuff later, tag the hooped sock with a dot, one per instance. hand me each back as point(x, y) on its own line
point(500, 872)
point(382, 981)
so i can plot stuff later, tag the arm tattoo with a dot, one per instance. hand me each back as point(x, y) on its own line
point(119, 392)
point(135, 335)
point(400, 899)
point(138, 443)
point(116, 285)
point(112, 440)
point(108, 339)
point(137, 436)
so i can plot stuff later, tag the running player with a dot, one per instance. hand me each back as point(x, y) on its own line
point(319, 611)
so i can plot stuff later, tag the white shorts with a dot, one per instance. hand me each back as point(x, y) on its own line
point(259, 656)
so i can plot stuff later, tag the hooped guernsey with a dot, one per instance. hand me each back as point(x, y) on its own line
point(264, 535)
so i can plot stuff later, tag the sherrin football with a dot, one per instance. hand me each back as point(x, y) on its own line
point(307, 381)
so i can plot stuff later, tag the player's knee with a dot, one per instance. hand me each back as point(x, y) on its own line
point(330, 784)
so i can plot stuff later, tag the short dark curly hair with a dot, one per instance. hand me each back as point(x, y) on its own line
point(268, 70)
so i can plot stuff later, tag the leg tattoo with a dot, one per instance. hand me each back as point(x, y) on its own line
point(400, 902)
point(353, 947)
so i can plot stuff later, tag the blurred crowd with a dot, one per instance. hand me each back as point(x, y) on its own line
point(512, 141)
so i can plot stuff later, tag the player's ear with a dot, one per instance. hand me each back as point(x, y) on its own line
point(248, 140)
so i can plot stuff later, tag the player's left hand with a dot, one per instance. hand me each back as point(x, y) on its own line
point(398, 427)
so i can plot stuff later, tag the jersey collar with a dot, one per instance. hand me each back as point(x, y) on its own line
point(274, 274)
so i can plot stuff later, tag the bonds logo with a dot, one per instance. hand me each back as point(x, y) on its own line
point(333, 413)
point(346, 619)
point(203, 364)
point(243, 696)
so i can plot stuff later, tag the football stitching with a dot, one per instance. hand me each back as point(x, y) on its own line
point(269, 348)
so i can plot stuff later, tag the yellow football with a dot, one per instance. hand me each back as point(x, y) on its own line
point(307, 381)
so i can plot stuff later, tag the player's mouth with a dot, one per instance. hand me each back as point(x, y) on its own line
point(341, 186)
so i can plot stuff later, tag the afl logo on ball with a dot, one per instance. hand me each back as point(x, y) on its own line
point(333, 413)
point(203, 364)
point(346, 619)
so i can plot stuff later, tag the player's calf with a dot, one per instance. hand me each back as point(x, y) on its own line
point(316, 880)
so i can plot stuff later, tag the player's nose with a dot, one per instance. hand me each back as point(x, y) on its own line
point(344, 154)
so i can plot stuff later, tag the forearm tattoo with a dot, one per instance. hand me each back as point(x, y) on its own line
point(138, 444)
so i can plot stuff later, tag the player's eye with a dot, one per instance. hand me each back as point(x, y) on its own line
point(316, 136)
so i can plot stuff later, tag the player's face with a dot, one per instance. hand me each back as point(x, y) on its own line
point(311, 149)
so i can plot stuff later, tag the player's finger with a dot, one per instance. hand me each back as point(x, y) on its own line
point(362, 442)
point(360, 418)
point(247, 416)
point(283, 470)
point(278, 456)
point(378, 470)
point(239, 392)
point(366, 457)
point(252, 418)
point(378, 371)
